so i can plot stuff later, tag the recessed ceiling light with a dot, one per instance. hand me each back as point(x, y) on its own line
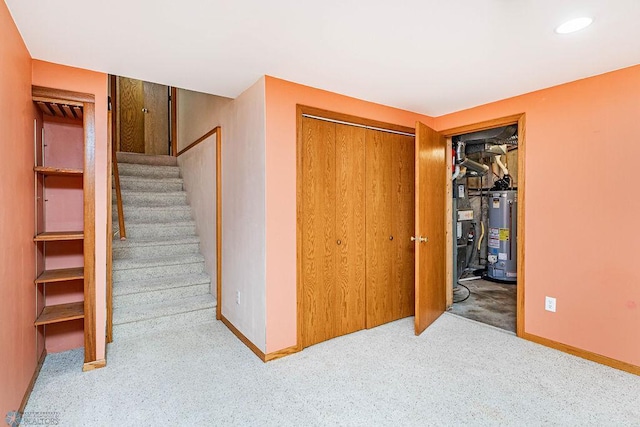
point(574, 25)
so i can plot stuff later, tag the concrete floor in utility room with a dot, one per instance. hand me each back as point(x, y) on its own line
point(458, 372)
point(489, 302)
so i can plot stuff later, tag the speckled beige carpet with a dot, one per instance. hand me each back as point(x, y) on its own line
point(458, 372)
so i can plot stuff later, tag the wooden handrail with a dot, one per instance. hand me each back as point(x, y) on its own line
point(199, 140)
point(116, 177)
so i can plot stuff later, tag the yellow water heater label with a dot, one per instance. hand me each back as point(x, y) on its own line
point(504, 234)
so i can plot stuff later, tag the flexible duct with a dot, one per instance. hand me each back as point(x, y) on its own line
point(490, 135)
point(475, 166)
point(456, 173)
point(501, 166)
point(459, 152)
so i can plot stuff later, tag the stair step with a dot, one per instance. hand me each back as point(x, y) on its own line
point(159, 280)
point(139, 286)
point(167, 308)
point(149, 268)
point(177, 322)
point(153, 213)
point(159, 290)
point(136, 183)
point(137, 263)
point(147, 319)
point(118, 244)
point(149, 248)
point(161, 295)
point(133, 169)
point(159, 230)
point(172, 198)
point(146, 159)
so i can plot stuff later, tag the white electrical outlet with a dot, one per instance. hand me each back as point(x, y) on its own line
point(550, 304)
point(238, 298)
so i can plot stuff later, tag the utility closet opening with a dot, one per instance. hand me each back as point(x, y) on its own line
point(485, 212)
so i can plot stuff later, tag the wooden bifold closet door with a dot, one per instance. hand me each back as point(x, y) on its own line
point(390, 222)
point(357, 215)
point(333, 264)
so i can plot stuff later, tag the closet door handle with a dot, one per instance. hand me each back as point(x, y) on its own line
point(339, 242)
point(390, 237)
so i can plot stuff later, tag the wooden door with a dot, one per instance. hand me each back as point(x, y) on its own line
point(131, 123)
point(403, 223)
point(318, 230)
point(380, 296)
point(430, 200)
point(390, 224)
point(333, 230)
point(350, 229)
point(143, 113)
point(156, 118)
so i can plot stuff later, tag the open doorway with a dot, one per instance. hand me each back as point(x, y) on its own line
point(486, 224)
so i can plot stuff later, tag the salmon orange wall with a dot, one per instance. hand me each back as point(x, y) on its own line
point(582, 205)
point(18, 353)
point(79, 80)
point(281, 99)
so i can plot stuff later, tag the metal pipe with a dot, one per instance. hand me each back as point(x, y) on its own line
point(501, 165)
point(468, 279)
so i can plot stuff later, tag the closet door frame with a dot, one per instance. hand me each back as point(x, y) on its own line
point(520, 120)
point(331, 115)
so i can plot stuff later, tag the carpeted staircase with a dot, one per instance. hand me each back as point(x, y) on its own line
point(159, 281)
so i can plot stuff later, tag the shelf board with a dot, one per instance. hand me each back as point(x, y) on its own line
point(48, 170)
point(53, 236)
point(61, 275)
point(60, 313)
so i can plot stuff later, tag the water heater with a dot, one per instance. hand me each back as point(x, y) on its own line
point(503, 226)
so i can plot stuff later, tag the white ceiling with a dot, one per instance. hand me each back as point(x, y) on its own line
point(428, 56)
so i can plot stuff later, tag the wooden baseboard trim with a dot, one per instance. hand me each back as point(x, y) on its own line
point(594, 357)
point(264, 357)
point(244, 339)
point(34, 377)
point(90, 366)
point(281, 353)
